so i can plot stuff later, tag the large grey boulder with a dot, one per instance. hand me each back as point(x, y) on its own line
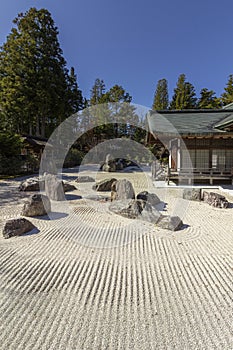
point(192, 194)
point(172, 223)
point(36, 205)
point(135, 209)
point(17, 227)
point(149, 213)
point(150, 198)
point(32, 184)
point(216, 200)
point(121, 190)
point(104, 185)
point(54, 188)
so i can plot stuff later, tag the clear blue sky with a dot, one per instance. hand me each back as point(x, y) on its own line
point(135, 43)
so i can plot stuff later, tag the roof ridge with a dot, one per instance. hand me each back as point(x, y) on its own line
point(183, 111)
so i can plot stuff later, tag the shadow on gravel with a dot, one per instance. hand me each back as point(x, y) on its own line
point(184, 226)
point(35, 231)
point(72, 197)
point(52, 216)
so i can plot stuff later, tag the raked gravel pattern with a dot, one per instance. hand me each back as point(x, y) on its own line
point(75, 285)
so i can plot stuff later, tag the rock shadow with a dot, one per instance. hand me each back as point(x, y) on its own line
point(35, 231)
point(72, 197)
point(52, 216)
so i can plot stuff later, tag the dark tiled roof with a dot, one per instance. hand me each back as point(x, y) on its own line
point(187, 122)
point(36, 141)
point(223, 123)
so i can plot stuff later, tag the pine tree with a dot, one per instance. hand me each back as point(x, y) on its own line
point(75, 99)
point(227, 96)
point(184, 95)
point(97, 92)
point(121, 111)
point(118, 94)
point(161, 99)
point(34, 80)
point(208, 100)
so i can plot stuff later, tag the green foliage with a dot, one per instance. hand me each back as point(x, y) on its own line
point(161, 99)
point(10, 149)
point(111, 111)
point(10, 144)
point(184, 95)
point(36, 91)
point(208, 100)
point(97, 92)
point(227, 96)
point(73, 158)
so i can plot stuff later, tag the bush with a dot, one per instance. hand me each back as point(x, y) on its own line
point(10, 149)
point(73, 158)
point(10, 165)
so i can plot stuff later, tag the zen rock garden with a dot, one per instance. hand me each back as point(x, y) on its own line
point(122, 200)
point(112, 164)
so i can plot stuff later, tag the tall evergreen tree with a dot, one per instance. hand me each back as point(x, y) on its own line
point(117, 94)
point(227, 96)
point(208, 99)
point(97, 92)
point(34, 80)
point(161, 99)
point(184, 95)
point(121, 110)
point(75, 99)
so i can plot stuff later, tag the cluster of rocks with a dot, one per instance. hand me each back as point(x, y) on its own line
point(214, 199)
point(124, 202)
point(49, 183)
point(32, 184)
point(37, 204)
point(112, 164)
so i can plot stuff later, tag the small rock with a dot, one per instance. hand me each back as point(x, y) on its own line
point(214, 199)
point(32, 184)
point(81, 179)
point(104, 185)
point(17, 227)
point(172, 223)
point(36, 205)
point(192, 194)
point(68, 187)
point(97, 198)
